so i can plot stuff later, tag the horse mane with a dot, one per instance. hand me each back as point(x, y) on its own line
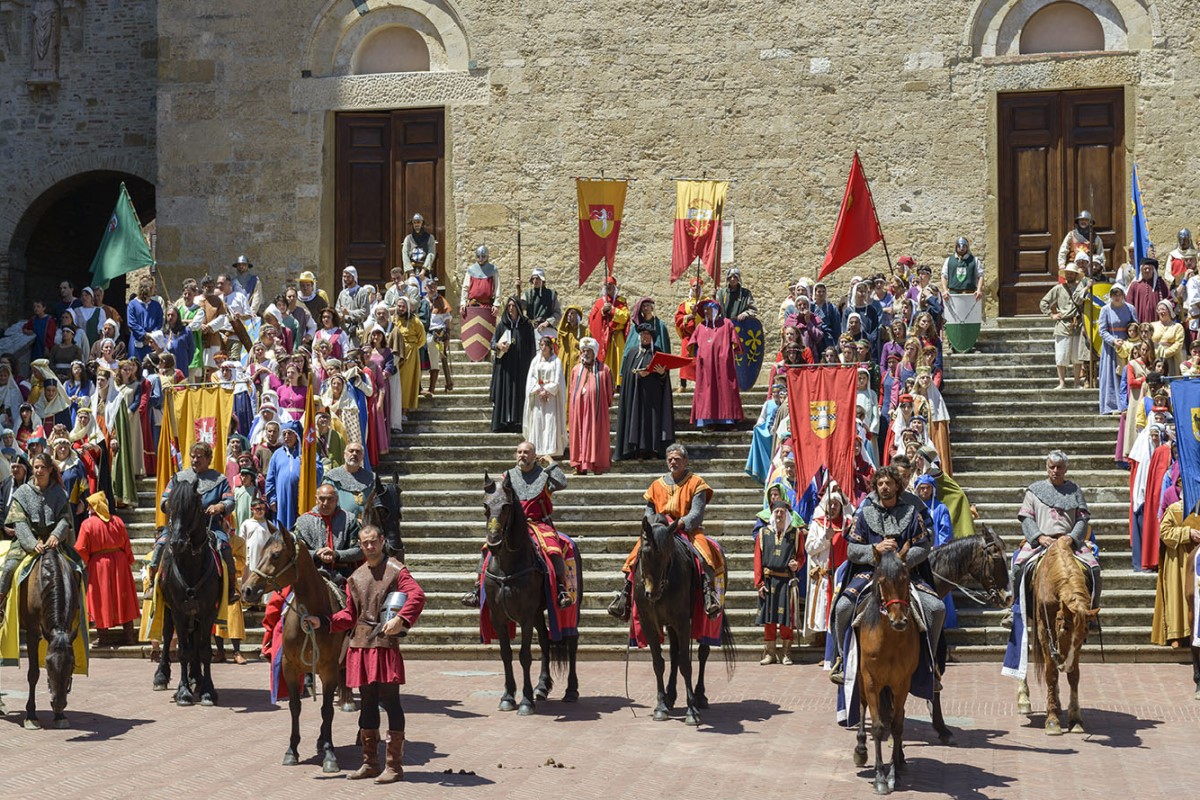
point(57, 600)
point(954, 559)
point(1072, 586)
point(184, 512)
point(518, 523)
point(889, 568)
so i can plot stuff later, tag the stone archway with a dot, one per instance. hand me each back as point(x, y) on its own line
point(56, 236)
point(993, 27)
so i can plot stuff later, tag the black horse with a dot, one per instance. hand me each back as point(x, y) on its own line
point(515, 586)
point(384, 509)
point(191, 591)
point(665, 587)
point(49, 609)
point(980, 560)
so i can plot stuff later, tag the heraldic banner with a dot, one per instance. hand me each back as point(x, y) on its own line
point(821, 407)
point(168, 458)
point(699, 206)
point(601, 204)
point(202, 415)
point(1185, 406)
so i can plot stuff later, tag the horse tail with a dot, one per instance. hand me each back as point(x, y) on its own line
point(728, 647)
point(560, 654)
point(887, 709)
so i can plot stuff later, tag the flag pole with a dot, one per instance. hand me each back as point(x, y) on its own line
point(875, 213)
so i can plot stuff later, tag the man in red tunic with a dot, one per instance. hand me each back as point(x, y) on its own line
point(103, 543)
point(591, 385)
point(481, 283)
point(383, 601)
point(686, 320)
point(716, 400)
point(606, 323)
point(1145, 293)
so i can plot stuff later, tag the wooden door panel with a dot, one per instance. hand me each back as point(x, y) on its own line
point(418, 152)
point(1094, 138)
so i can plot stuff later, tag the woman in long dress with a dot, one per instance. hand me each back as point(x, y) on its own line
point(512, 347)
point(406, 340)
point(381, 366)
point(827, 548)
point(341, 405)
point(112, 417)
point(136, 402)
point(545, 419)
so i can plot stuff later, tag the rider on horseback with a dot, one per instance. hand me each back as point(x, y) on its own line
point(217, 498)
point(533, 484)
point(681, 496)
point(331, 535)
point(1053, 508)
point(41, 517)
point(887, 521)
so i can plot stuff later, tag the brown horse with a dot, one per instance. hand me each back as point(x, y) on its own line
point(1060, 609)
point(889, 641)
point(286, 561)
point(50, 606)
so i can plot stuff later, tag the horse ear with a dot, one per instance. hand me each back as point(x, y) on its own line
point(646, 529)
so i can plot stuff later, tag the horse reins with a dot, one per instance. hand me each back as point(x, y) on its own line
point(310, 643)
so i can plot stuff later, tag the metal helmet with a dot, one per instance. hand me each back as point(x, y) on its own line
point(481, 251)
point(418, 218)
point(1185, 239)
point(962, 246)
point(1084, 216)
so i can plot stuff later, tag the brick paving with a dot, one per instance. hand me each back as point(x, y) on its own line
point(769, 733)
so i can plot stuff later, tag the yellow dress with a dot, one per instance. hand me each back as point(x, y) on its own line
point(408, 337)
point(1168, 345)
point(235, 623)
point(1174, 595)
point(616, 342)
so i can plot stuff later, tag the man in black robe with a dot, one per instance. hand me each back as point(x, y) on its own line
point(645, 420)
point(513, 347)
point(541, 303)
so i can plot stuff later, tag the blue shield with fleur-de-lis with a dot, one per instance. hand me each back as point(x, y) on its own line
point(748, 363)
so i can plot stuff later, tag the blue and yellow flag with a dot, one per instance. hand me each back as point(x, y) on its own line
point(1185, 406)
point(1141, 233)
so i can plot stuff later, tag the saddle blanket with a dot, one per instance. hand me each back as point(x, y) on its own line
point(1016, 652)
point(10, 645)
point(704, 630)
point(560, 622)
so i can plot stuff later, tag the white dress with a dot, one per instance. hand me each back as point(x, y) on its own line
point(545, 421)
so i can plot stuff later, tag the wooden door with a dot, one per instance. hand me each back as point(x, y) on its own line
point(389, 166)
point(1059, 153)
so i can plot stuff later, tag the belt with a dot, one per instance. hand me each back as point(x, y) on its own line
point(772, 573)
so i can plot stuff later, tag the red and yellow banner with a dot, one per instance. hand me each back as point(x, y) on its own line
point(307, 495)
point(202, 415)
point(601, 203)
point(168, 455)
point(821, 403)
point(699, 206)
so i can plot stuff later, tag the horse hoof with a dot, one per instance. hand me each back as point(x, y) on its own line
point(860, 758)
point(62, 724)
point(1053, 729)
point(571, 696)
point(1024, 708)
point(525, 710)
point(540, 694)
point(32, 725)
point(290, 760)
point(1077, 728)
point(348, 708)
point(207, 701)
point(330, 766)
point(159, 687)
point(184, 701)
point(701, 701)
point(881, 787)
point(661, 715)
point(947, 739)
point(692, 719)
point(507, 705)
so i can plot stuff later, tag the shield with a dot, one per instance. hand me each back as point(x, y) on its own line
point(748, 363)
point(1196, 423)
point(1091, 316)
point(479, 323)
point(964, 316)
point(823, 416)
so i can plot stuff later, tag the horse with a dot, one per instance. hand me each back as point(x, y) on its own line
point(286, 561)
point(1060, 609)
point(191, 590)
point(889, 641)
point(514, 585)
point(980, 559)
point(665, 586)
point(384, 509)
point(49, 608)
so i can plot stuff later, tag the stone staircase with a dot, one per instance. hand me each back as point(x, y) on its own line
point(1005, 417)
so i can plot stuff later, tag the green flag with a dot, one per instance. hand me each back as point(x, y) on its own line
point(123, 248)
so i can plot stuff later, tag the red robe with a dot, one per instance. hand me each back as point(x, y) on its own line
point(601, 327)
point(111, 596)
point(685, 323)
point(716, 396)
point(1159, 463)
point(587, 417)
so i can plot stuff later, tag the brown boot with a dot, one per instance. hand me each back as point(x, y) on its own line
point(370, 749)
point(394, 770)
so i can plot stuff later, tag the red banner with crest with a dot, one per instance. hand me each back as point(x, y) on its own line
point(821, 404)
point(601, 204)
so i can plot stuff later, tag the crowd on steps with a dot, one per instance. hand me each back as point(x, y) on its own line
point(91, 401)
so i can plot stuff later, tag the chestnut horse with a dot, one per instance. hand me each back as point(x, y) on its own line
point(889, 641)
point(49, 609)
point(286, 561)
point(1059, 612)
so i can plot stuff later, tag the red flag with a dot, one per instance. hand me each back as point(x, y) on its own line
point(601, 204)
point(821, 407)
point(857, 223)
point(699, 206)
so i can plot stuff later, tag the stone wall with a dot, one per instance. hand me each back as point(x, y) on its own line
point(99, 116)
point(774, 96)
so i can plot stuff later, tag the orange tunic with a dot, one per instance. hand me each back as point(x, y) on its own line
point(675, 501)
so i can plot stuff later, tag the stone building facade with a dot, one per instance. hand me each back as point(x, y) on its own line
point(772, 96)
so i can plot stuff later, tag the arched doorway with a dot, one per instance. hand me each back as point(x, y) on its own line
point(59, 232)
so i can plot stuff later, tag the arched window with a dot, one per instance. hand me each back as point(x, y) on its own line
point(1062, 27)
point(391, 49)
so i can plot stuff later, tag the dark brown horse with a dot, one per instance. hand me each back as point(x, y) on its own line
point(514, 583)
point(1060, 608)
point(889, 642)
point(980, 561)
point(665, 587)
point(50, 606)
point(286, 561)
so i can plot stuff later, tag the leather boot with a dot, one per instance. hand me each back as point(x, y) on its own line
point(620, 607)
point(712, 603)
point(770, 653)
point(394, 768)
point(787, 653)
point(471, 598)
point(370, 750)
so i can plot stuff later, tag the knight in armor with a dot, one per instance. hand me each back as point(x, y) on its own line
point(1082, 237)
point(481, 283)
point(420, 248)
point(888, 520)
point(247, 283)
point(533, 484)
point(331, 535)
point(1053, 508)
point(1181, 259)
point(962, 272)
point(354, 481)
point(216, 497)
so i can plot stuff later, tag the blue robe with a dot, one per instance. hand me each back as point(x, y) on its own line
point(758, 462)
point(360, 400)
point(283, 485)
point(943, 533)
point(142, 318)
point(182, 345)
point(1113, 326)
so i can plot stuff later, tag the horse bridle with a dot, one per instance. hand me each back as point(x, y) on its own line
point(991, 595)
point(273, 580)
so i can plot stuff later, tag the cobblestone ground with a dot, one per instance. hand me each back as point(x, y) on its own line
point(769, 733)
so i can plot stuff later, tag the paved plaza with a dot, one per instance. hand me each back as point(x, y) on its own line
point(769, 733)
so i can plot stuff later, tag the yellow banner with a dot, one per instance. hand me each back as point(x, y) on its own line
point(168, 455)
point(202, 414)
point(307, 495)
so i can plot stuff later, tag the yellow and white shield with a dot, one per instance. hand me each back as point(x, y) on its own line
point(823, 416)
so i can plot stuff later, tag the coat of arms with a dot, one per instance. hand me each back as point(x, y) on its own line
point(1196, 423)
point(823, 416)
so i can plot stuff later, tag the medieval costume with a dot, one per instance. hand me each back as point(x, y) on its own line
point(481, 283)
point(1147, 291)
point(103, 544)
point(570, 337)
point(778, 559)
point(35, 515)
point(1173, 596)
point(645, 416)
point(544, 422)
point(405, 340)
point(338, 532)
point(826, 548)
point(638, 314)
point(282, 489)
point(606, 323)
point(533, 488)
point(1113, 325)
point(716, 400)
point(513, 346)
point(758, 461)
point(541, 304)
point(1055, 511)
point(686, 320)
point(353, 488)
point(590, 398)
point(353, 304)
point(112, 417)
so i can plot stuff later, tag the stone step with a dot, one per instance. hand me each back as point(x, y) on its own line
point(1016, 461)
point(1075, 407)
point(1021, 322)
point(975, 441)
point(1034, 360)
point(994, 423)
